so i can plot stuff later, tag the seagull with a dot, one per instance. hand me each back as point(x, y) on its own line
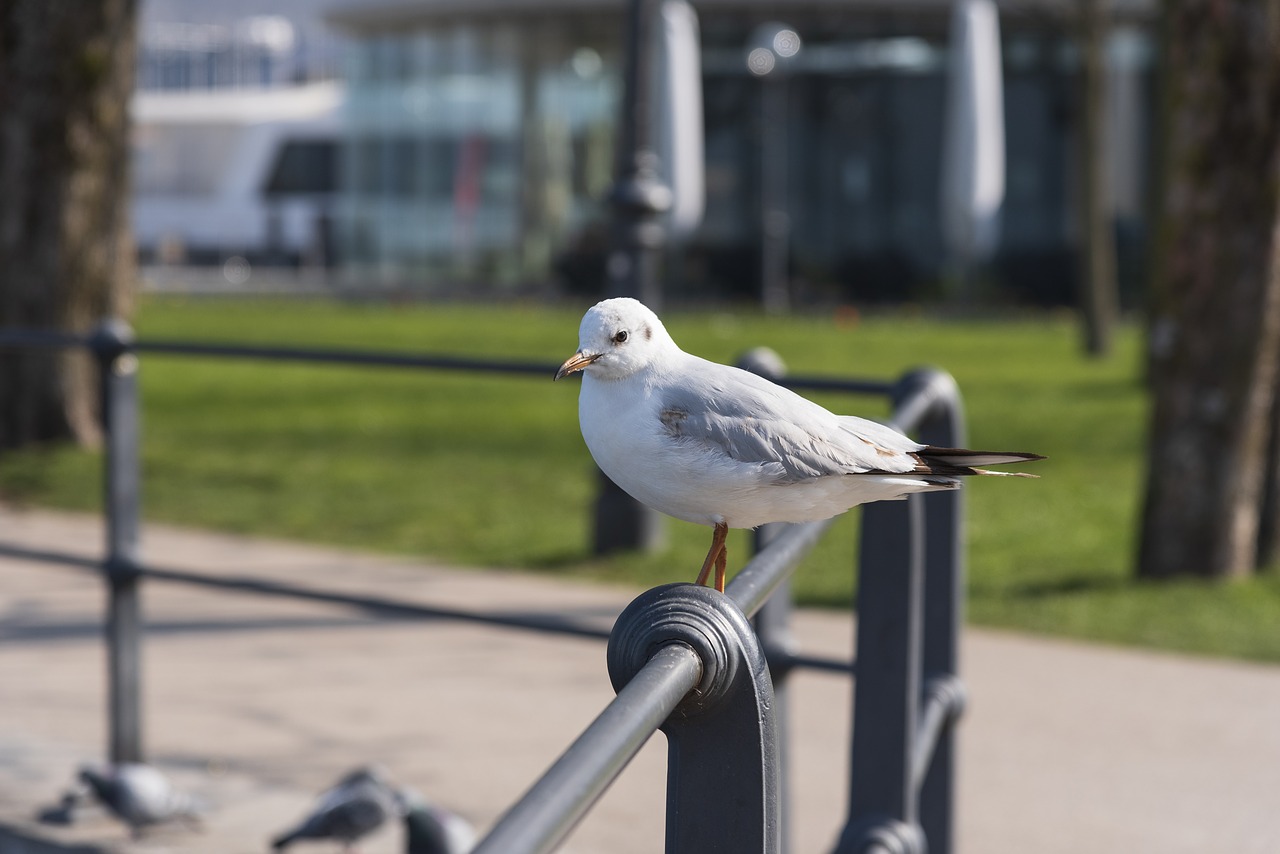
point(432, 829)
point(719, 446)
point(139, 795)
point(358, 804)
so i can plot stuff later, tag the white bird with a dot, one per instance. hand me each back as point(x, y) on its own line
point(719, 446)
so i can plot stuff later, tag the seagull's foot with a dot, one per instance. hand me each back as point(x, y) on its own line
point(717, 558)
point(721, 562)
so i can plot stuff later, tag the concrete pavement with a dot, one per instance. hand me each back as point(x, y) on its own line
point(255, 703)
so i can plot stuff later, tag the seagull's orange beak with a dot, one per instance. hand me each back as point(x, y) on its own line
point(575, 363)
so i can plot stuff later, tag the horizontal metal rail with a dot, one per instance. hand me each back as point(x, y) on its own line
point(18, 339)
point(374, 606)
point(554, 805)
point(24, 338)
point(378, 606)
point(755, 582)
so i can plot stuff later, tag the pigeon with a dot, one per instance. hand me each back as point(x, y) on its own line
point(432, 829)
point(358, 804)
point(139, 795)
point(719, 446)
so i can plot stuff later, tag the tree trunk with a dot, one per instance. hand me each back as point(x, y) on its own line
point(1099, 302)
point(1269, 524)
point(66, 256)
point(1215, 324)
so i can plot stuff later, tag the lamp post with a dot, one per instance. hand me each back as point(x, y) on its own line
point(770, 50)
point(638, 199)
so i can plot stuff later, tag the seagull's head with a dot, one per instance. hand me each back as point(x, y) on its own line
point(617, 338)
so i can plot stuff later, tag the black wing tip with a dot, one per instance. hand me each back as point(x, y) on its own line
point(959, 455)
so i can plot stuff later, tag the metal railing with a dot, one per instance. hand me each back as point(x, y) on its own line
point(683, 659)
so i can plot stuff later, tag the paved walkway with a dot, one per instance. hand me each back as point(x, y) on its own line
point(255, 703)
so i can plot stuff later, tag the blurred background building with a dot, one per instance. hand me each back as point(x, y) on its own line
point(466, 146)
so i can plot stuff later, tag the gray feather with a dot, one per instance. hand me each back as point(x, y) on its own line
point(755, 422)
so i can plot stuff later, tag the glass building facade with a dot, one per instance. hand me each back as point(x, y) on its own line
point(481, 147)
point(476, 149)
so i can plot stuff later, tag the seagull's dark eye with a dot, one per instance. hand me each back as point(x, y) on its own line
point(620, 337)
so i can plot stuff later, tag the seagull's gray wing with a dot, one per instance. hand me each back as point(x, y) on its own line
point(791, 438)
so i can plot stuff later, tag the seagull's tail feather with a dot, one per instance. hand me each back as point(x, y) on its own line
point(960, 462)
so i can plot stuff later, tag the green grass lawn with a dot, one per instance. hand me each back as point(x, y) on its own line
point(483, 470)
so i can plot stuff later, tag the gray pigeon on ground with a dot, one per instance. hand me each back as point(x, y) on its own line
point(432, 829)
point(139, 795)
point(357, 805)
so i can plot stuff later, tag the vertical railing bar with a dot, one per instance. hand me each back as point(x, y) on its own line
point(111, 345)
point(772, 622)
point(722, 742)
point(944, 574)
point(886, 765)
point(773, 628)
point(887, 690)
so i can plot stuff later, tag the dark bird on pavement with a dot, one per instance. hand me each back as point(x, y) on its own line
point(357, 805)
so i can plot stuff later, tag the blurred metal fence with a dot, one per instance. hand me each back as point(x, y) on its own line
point(683, 659)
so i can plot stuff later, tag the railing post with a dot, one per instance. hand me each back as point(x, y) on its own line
point(944, 592)
point(773, 629)
point(722, 766)
point(112, 344)
point(908, 691)
point(773, 620)
point(882, 803)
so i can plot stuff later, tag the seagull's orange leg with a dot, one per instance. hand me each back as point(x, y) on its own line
point(715, 557)
point(721, 562)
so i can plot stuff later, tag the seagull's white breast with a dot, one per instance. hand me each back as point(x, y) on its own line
point(622, 426)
